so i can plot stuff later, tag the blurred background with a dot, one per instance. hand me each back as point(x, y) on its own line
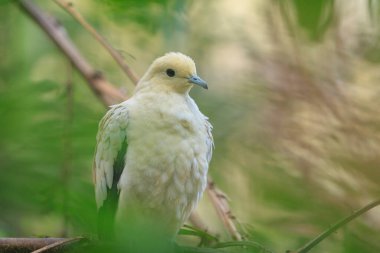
point(294, 96)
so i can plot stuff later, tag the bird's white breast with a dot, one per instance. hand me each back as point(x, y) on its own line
point(166, 161)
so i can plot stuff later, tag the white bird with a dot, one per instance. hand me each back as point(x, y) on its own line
point(153, 152)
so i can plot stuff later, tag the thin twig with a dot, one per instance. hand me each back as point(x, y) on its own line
point(219, 200)
point(336, 226)
point(69, 7)
point(58, 244)
point(107, 93)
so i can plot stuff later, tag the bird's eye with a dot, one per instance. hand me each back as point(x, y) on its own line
point(170, 72)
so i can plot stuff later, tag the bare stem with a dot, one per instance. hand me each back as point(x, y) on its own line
point(219, 200)
point(336, 226)
point(69, 7)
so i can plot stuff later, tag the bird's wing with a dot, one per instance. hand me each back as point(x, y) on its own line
point(108, 165)
point(208, 128)
point(209, 139)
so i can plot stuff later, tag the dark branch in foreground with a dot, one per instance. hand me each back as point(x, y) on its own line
point(59, 245)
point(80, 244)
point(37, 245)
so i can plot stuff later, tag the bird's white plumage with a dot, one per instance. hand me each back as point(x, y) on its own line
point(169, 146)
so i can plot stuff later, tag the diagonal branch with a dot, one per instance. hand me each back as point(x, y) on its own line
point(69, 7)
point(219, 200)
point(107, 93)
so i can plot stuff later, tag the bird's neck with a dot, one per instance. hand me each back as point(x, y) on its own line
point(162, 88)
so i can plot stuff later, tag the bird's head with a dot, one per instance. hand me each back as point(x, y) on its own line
point(172, 72)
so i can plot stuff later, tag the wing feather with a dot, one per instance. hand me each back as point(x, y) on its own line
point(110, 140)
point(108, 165)
point(209, 139)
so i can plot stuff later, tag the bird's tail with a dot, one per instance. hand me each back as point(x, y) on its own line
point(107, 212)
point(106, 220)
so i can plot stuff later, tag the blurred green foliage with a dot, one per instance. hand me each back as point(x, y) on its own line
point(164, 16)
point(314, 16)
point(293, 99)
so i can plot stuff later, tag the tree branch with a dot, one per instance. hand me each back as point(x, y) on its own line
point(69, 7)
point(107, 93)
point(58, 245)
point(21, 245)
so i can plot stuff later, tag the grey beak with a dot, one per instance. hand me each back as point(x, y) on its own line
point(198, 81)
